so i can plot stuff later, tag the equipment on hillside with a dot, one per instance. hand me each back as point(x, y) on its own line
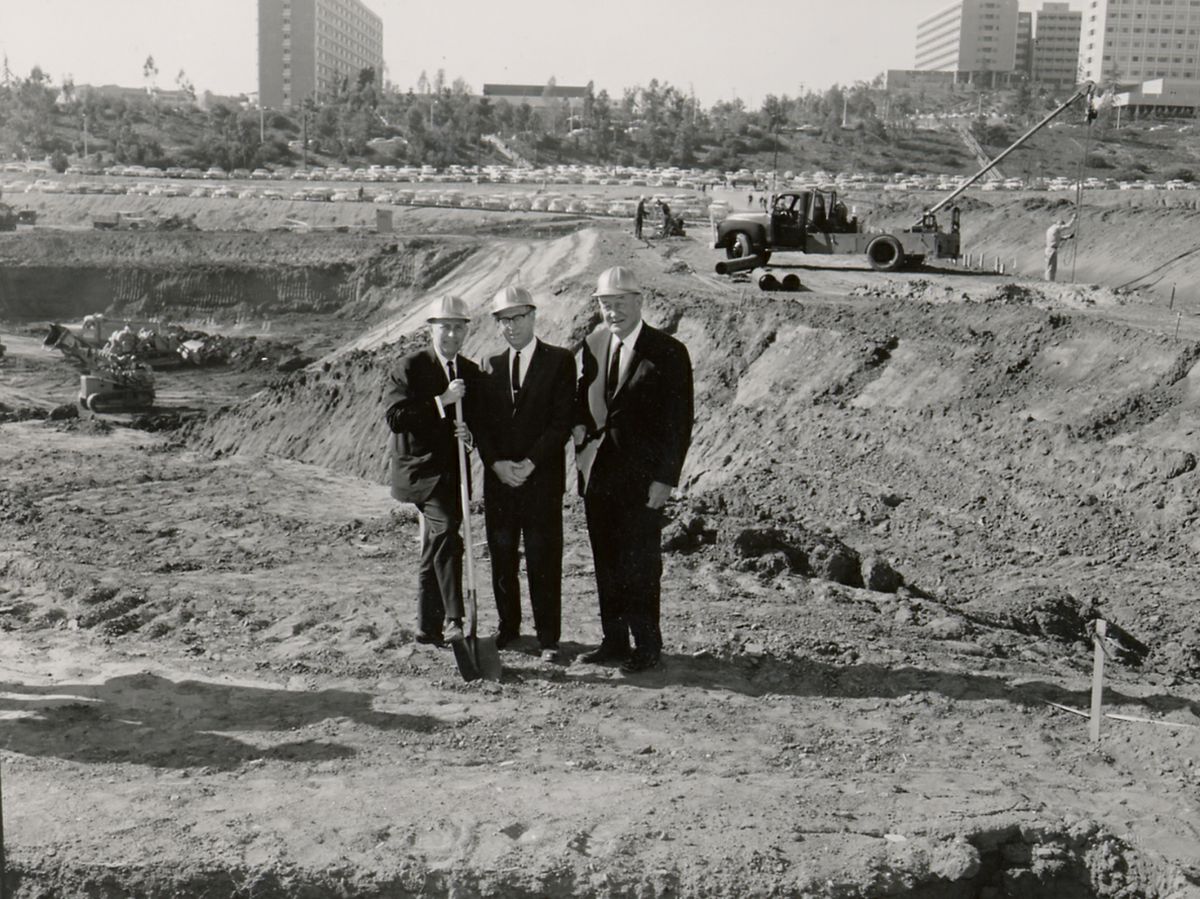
point(816, 221)
point(8, 218)
point(476, 656)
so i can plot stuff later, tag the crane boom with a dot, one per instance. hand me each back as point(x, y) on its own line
point(1084, 90)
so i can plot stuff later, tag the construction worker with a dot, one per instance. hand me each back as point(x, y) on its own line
point(639, 216)
point(1056, 234)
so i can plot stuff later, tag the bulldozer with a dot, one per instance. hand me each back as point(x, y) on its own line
point(117, 389)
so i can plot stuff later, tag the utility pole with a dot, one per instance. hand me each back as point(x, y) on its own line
point(85, 136)
point(304, 135)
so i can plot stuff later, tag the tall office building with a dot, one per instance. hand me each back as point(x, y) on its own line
point(1127, 41)
point(971, 37)
point(1024, 62)
point(1056, 46)
point(307, 47)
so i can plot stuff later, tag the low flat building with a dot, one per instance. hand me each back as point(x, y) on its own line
point(918, 79)
point(1161, 97)
point(538, 96)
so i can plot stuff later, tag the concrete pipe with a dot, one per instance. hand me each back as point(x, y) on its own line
point(791, 281)
point(766, 279)
point(741, 264)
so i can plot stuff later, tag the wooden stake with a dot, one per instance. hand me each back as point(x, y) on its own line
point(1099, 629)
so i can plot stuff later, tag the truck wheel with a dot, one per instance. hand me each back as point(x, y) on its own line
point(885, 253)
point(739, 246)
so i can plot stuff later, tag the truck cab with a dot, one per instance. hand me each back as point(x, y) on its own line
point(800, 221)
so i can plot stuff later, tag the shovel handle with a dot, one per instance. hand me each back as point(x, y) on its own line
point(468, 554)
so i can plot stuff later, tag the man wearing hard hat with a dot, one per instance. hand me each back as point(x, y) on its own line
point(424, 460)
point(1056, 235)
point(526, 413)
point(634, 410)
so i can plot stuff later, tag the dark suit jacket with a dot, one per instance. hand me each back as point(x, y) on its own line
point(538, 426)
point(643, 436)
point(424, 448)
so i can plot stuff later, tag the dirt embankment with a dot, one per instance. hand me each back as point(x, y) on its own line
point(214, 276)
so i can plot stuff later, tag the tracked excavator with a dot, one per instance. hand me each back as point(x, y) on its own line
point(113, 382)
point(818, 222)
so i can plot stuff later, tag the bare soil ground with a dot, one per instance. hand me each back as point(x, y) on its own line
point(906, 495)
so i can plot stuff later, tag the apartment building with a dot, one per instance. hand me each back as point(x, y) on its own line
point(1056, 45)
point(975, 38)
point(306, 48)
point(1130, 41)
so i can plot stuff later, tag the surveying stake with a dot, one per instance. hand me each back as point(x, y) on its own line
point(1097, 629)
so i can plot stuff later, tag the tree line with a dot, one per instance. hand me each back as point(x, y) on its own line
point(437, 123)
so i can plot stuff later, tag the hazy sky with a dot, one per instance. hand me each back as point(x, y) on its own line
point(776, 46)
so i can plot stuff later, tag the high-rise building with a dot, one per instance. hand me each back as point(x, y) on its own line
point(1128, 41)
point(1056, 45)
point(306, 48)
point(971, 37)
point(1024, 63)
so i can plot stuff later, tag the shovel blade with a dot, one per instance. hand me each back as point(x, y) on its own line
point(465, 657)
point(477, 657)
point(487, 658)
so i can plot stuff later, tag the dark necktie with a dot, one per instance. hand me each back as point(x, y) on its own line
point(516, 375)
point(450, 368)
point(614, 372)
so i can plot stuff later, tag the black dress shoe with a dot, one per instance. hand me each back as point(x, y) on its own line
point(642, 661)
point(430, 639)
point(503, 639)
point(605, 655)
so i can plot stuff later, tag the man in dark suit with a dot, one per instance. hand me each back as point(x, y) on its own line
point(425, 387)
point(632, 432)
point(528, 398)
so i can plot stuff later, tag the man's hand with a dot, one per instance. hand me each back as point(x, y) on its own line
point(578, 433)
point(463, 433)
point(522, 470)
point(659, 494)
point(454, 392)
point(504, 471)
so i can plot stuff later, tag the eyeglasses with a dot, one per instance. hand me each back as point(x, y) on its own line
point(513, 319)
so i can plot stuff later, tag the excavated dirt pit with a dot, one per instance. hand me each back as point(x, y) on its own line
point(906, 496)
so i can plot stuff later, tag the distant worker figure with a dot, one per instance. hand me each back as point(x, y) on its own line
point(666, 220)
point(639, 216)
point(1056, 234)
point(750, 200)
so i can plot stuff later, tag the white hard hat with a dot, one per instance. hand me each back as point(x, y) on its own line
point(512, 297)
point(448, 308)
point(615, 282)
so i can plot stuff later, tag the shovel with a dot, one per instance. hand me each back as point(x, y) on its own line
point(476, 656)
